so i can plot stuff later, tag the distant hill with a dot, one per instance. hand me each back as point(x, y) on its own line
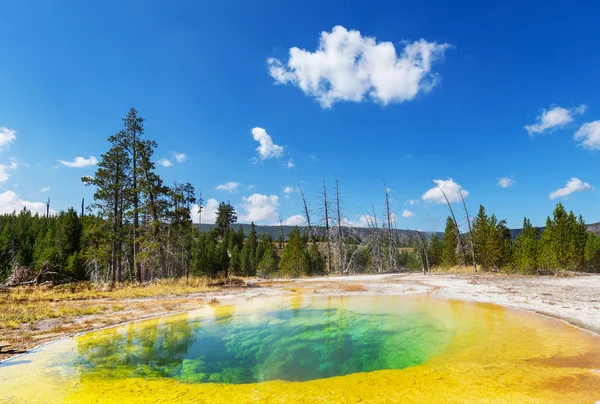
point(360, 232)
point(595, 227)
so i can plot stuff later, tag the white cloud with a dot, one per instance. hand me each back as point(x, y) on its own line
point(555, 117)
point(4, 175)
point(412, 202)
point(407, 214)
point(589, 135)
point(451, 189)
point(350, 67)
point(289, 189)
point(505, 182)
point(290, 163)
point(10, 202)
point(267, 148)
point(296, 220)
point(209, 212)
point(260, 208)
point(573, 185)
point(6, 136)
point(179, 157)
point(251, 186)
point(79, 162)
point(164, 163)
point(228, 186)
point(45, 189)
point(388, 189)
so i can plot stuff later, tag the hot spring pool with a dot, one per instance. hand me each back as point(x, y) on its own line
point(318, 349)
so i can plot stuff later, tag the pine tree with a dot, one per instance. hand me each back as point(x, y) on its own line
point(226, 216)
point(480, 234)
point(111, 182)
point(294, 260)
point(450, 242)
point(562, 243)
point(526, 249)
point(592, 253)
point(435, 250)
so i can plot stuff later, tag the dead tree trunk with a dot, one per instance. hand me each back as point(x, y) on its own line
point(470, 230)
point(423, 243)
point(307, 214)
point(327, 235)
point(391, 238)
point(340, 238)
point(460, 239)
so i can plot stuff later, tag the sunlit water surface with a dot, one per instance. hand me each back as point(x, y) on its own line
point(307, 349)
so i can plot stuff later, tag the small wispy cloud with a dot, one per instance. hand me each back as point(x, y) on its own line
point(266, 149)
point(165, 162)
point(505, 182)
point(179, 157)
point(228, 186)
point(290, 163)
point(80, 162)
point(589, 135)
point(407, 214)
point(555, 117)
point(7, 136)
point(45, 189)
point(573, 185)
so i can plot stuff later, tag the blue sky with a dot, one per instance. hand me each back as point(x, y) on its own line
point(407, 91)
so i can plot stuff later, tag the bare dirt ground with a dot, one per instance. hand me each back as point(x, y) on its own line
point(575, 300)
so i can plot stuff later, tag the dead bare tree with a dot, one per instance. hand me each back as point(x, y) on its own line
point(327, 235)
point(307, 214)
point(470, 230)
point(423, 244)
point(375, 240)
point(339, 238)
point(460, 239)
point(281, 234)
point(391, 235)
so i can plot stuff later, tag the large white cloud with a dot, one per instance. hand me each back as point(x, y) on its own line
point(6, 136)
point(209, 212)
point(350, 67)
point(573, 185)
point(80, 162)
point(10, 202)
point(555, 117)
point(451, 189)
point(589, 135)
point(295, 220)
point(267, 149)
point(228, 186)
point(259, 208)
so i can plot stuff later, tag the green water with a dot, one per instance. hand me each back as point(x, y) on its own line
point(304, 341)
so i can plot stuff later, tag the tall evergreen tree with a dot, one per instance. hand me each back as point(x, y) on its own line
point(450, 241)
point(435, 250)
point(226, 216)
point(294, 260)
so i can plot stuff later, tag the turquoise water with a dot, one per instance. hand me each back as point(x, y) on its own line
point(307, 342)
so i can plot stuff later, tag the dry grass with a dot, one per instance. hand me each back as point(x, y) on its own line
point(30, 304)
point(354, 288)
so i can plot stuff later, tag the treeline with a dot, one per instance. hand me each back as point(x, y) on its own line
point(138, 229)
point(563, 245)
